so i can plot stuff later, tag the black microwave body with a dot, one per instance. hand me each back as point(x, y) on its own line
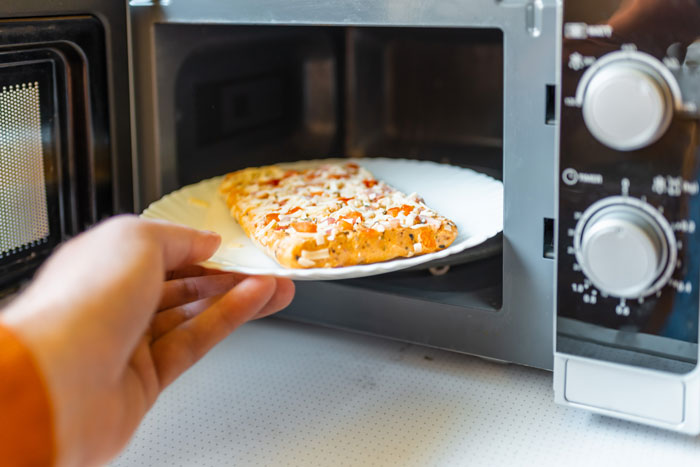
point(611, 172)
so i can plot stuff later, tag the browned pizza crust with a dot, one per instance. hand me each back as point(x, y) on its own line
point(331, 215)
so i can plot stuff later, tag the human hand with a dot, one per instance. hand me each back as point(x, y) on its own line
point(116, 314)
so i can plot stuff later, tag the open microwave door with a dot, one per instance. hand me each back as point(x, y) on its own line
point(58, 167)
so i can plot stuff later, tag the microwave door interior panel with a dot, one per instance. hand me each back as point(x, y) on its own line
point(65, 160)
point(629, 210)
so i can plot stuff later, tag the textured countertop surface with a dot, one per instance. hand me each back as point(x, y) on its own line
point(281, 393)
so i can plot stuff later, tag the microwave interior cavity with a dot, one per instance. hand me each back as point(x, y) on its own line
point(248, 96)
point(260, 95)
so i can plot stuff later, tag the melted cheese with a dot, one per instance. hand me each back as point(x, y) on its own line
point(321, 202)
point(333, 197)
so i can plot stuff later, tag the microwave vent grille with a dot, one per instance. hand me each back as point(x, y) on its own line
point(23, 197)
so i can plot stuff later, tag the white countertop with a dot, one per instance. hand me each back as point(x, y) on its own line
point(280, 393)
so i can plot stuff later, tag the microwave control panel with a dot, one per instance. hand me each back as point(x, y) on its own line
point(628, 255)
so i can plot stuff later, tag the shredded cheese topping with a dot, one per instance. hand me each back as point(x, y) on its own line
point(326, 200)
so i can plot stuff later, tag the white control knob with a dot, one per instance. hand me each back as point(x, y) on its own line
point(625, 249)
point(627, 104)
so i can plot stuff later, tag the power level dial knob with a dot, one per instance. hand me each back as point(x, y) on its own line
point(627, 104)
point(625, 247)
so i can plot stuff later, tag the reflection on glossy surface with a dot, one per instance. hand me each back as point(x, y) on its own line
point(649, 24)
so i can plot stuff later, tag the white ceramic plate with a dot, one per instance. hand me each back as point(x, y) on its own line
point(474, 201)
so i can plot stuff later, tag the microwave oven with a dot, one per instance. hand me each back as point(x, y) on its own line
point(586, 110)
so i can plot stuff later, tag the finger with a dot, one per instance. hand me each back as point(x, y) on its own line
point(182, 246)
point(190, 289)
point(281, 300)
point(167, 320)
point(183, 346)
point(191, 271)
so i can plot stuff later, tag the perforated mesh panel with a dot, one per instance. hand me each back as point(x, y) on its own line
point(23, 203)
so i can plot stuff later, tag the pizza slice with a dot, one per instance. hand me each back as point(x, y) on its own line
point(331, 214)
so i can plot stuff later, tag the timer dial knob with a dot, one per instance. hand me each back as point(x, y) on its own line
point(625, 247)
point(627, 104)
